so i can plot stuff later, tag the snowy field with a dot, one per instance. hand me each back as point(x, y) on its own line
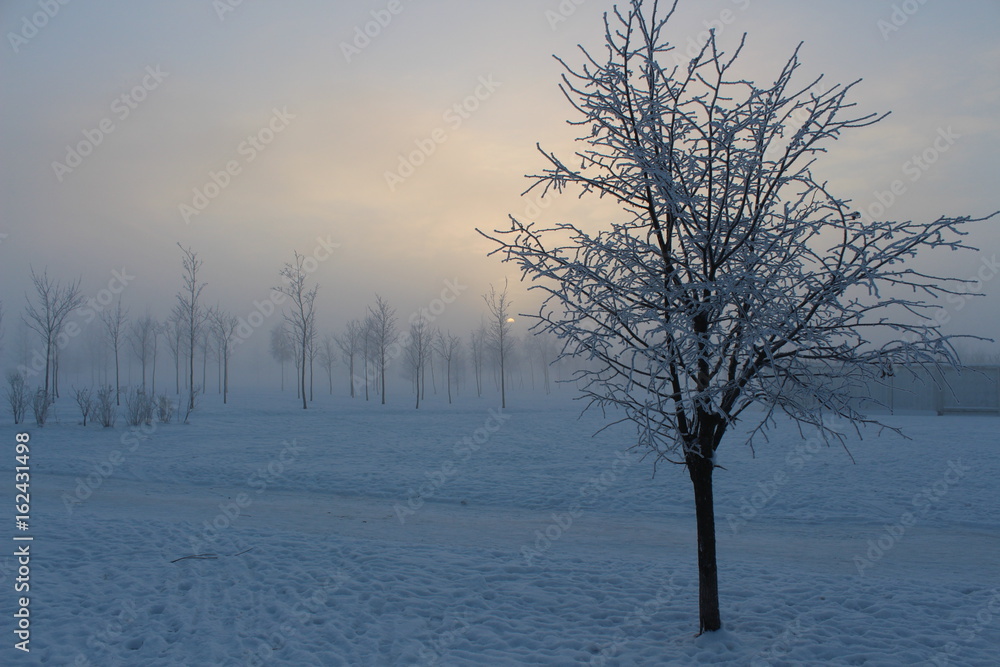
point(361, 534)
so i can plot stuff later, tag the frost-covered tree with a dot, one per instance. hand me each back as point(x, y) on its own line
point(173, 329)
point(351, 344)
point(733, 277)
point(17, 395)
point(498, 326)
point(477, 347)
point(47, 315)
point(384, 334)
point(282, 347)
point(418, 351)
point(368, 351)
point(114, 320)
point(224, 325)
point(193, 314)
point(328, 357)
point(313, 353)
point(142, 339)
point(301, 315)
point(448, 346)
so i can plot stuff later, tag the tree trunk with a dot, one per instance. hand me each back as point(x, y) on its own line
point(48, 361)
point(303, 378)
point(382, 365)
point(700, 470)
point(503, 385)
point(352, 376)
point(55, 373)
point(225, 376)
point(191, 370)
point(118, 386)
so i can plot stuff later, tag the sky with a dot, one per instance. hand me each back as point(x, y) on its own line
point(375, 137)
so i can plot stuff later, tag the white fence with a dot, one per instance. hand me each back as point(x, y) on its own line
point(973, 389)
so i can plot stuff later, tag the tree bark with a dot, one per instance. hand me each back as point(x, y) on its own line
point(700, 471)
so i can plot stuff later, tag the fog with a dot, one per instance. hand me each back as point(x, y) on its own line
point(375, 137)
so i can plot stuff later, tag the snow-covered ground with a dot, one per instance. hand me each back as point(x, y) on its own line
point(361, 534)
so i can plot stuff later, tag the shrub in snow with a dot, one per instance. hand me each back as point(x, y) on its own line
point(85, 401)
point(138, 408)
point(106, 410)
point(17, 396)
point(40, 406)
point(164, 409)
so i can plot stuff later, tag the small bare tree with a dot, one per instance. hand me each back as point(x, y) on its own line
point(173, 329)
point(47, 316)
point(190, 311)
point(328, 357)
point(384, 335)
point(368, 351)
point(17, 395)
point(477, 346)
point(301, 316)
point(139, 407)
point(313, 353)
point(351, 345)
point(106, 412)
point(85, 401)
point(734, 278)
point(282, 347)
point(448, 346)
point(40, 406)
point(498, 327)
point(142, 339)
point(417, 353)
point(114, 320)
point(164, 409)
point(224, 327)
